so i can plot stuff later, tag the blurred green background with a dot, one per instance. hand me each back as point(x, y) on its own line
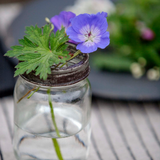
point(134, 39)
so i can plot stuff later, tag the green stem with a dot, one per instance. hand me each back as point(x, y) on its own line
point(55, 142)
point(52, 113)
point(56, 66)
point(26, 94)
point(33, 93)
point(76, 54)
point(57, 148)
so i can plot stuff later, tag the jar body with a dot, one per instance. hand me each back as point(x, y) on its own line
point(33, 121)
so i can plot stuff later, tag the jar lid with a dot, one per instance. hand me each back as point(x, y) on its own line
point(76, 70)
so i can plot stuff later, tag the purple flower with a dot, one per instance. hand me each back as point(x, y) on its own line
point(90, 31)
point(147, 34)
point(103, 14)
point(62, 20)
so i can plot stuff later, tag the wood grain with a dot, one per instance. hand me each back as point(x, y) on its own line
point(120, 130)
point(5, 138)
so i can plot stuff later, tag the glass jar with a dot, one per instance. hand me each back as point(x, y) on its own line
point(37, 122)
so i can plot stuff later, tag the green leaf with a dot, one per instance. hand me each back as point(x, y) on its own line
point(39, 50)
point(26, 42)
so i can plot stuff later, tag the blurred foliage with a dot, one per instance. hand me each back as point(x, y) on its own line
point(129, 37)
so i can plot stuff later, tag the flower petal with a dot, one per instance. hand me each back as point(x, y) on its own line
point(66, 16)
point(105, 35)
point(85, 29)
point(87, 47)
point(73, 35)
point(73, 42)
point(95, 30)
point(100, 22)
point(103, 43)
point(56, 21)
point(103, 14)
point(63, 19)
point(80, 21)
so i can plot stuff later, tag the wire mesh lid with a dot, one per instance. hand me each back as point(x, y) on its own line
point(74, 71)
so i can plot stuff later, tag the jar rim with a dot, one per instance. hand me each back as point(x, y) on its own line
point(63, 76)
point(45, 87)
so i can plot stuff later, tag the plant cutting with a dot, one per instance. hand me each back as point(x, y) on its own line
point(52, 95)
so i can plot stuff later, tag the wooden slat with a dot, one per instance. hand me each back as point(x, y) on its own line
point(7, 107)
point(144, 132)
point(93, 146)
point(5, 139)
point(119, 131)
point(106, 110)
point(153, 118)
point(134, 144)
point(92, 153)
point(99, 136)
point(97, 153)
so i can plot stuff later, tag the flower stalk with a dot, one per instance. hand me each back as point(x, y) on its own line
point(52, 112)
point(33, 93)
point(26, 94)
point(57, 149)
point(55, 142)
point(76, 54)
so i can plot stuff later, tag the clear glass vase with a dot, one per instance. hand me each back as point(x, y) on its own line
point(62, 114)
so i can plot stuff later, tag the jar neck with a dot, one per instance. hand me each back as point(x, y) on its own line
point(77, 71)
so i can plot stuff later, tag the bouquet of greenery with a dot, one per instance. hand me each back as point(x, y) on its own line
point(47, 48)
point(41, 48)
point(135, 39)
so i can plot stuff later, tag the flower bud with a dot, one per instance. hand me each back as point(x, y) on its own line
point(147, 34)
point(47, 20)
point(153, 74)
point(136, 70)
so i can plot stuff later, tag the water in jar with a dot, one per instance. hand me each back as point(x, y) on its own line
point(33, 137)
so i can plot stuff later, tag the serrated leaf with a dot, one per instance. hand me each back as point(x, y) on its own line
point(39, 50)
point(26, 42)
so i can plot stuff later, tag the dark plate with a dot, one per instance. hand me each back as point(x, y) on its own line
point(123, 86)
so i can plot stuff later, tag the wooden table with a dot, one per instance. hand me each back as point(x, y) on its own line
point(120, 130)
